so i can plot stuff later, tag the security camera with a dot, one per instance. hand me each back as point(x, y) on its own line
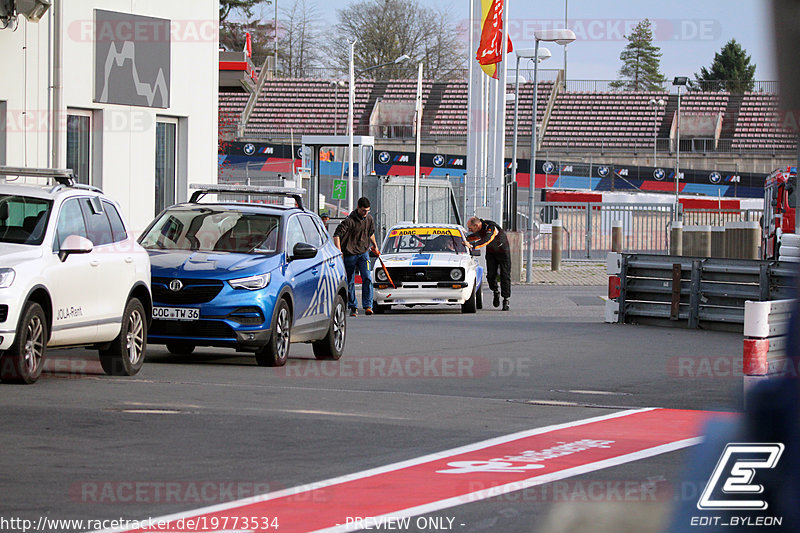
point(33, 10)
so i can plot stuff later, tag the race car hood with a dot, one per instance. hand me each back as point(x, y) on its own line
point(220, 265)
point(14, 254)
point(424, 259)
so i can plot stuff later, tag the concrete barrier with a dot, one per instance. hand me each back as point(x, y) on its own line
point(718, 242)
point(742, 240)
point(676, 238)
point(697, 241)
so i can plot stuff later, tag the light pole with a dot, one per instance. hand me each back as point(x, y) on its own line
point(418, 123)
point(276, 39)
point(562, 37)
point(656, 104)
point(679, 81)
point(351, 100)
point(526, 53)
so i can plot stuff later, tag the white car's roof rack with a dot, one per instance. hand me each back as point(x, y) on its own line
point(64, 176)
point(212, 188)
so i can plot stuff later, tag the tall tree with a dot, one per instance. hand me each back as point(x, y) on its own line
point(387, 29)
point(300, 41)
point(226, 7)
point(641, 60)
point(730, 71)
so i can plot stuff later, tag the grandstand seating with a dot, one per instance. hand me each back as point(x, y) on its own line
point(611, 120)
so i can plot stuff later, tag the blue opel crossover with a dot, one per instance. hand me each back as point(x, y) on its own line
point(250, 276)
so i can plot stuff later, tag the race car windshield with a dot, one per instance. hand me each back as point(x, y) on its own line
point(23, 219)
point(214, 230)
point(404, 241)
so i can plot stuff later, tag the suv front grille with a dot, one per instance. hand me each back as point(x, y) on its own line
point(416, 274)
point(196, 328)
point(194, 291)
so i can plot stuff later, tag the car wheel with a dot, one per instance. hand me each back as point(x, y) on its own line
point(23, 361)
point(380, 308)
point(276, 351)
point(470, 305)
point(125, 356)
point(332, 345)
point(180, 348)
point(478, 298)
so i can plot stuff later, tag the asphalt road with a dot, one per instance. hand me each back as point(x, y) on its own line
point(412, 382)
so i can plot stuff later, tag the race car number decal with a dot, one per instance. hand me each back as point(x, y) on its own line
point(424, 231)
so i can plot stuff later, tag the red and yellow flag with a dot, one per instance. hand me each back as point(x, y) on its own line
point(490, 50)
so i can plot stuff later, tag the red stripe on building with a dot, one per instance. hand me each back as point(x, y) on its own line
point(459, 476)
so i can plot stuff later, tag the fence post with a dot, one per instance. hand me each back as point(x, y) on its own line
point(588, 230)
point(676, 238)
point(555, 255)
point(616, 236)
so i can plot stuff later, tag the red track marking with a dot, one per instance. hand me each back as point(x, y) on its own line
point(458, 476)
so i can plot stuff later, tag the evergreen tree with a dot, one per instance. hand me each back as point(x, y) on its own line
point(730, 71)
point(640, 62)
point(245, 6)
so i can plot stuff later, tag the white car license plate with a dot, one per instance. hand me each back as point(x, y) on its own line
point(176, 313)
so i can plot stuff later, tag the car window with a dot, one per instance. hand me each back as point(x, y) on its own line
point(23, 220)
point(311, 231)
point(98, 228)
point(118, 232)
point(215, 229)
point(70, 222)
point(294, 234)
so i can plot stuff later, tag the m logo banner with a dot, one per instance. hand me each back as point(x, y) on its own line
point(731, 484)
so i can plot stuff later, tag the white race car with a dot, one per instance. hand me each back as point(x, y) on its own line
point(428, 265)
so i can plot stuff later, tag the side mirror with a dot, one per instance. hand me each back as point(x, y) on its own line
point(74, 244)
point(475, 253)
point(303, 250)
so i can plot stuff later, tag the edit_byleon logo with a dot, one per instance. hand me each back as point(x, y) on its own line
point(733, 485)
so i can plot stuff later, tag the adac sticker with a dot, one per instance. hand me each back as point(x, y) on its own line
point(424, 231)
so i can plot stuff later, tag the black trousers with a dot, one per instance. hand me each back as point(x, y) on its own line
point(503, 261)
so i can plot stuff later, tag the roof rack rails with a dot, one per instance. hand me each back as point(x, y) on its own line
point(63, 176)
point(212, 188)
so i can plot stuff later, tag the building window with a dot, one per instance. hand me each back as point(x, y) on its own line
point(166, 137)
point(79, 127)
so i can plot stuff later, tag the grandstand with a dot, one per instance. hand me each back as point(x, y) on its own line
point(576, 120)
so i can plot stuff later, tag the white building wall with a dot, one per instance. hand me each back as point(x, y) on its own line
point(125, 136)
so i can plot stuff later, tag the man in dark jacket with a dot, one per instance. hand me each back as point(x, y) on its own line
point(487, 234)
point(354, 236)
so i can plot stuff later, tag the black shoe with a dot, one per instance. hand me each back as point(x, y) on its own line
point(505, 304)
point(496, 300)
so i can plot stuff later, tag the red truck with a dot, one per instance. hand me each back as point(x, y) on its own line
point(780, 199)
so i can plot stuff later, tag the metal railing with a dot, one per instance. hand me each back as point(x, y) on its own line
point(719, 217)
point(764, 86)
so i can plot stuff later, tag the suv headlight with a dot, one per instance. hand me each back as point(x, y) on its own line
point(6, 277)
point(380, 275)
point(456, 274)
point(251, 283)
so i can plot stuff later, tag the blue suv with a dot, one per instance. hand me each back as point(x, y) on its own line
point(250, 276)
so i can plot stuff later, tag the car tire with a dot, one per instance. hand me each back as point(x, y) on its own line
point(24, 360)
point(331, 347)
point(125, 356)
point(276, 351)
point(469, 306)
point(180, 348)
point(478, 298)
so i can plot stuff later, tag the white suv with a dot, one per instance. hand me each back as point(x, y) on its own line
point(71, 274)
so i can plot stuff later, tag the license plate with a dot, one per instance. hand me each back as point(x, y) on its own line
point(176, 313)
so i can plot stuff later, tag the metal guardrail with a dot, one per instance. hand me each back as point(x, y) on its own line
point(696, 292)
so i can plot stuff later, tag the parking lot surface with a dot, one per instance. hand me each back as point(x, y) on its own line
point(204, 430)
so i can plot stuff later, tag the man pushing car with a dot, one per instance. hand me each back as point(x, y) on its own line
point(486, 233)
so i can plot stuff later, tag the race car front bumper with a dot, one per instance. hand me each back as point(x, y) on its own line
point(422, 293)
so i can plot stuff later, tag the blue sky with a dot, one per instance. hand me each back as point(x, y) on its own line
point(689, 32)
